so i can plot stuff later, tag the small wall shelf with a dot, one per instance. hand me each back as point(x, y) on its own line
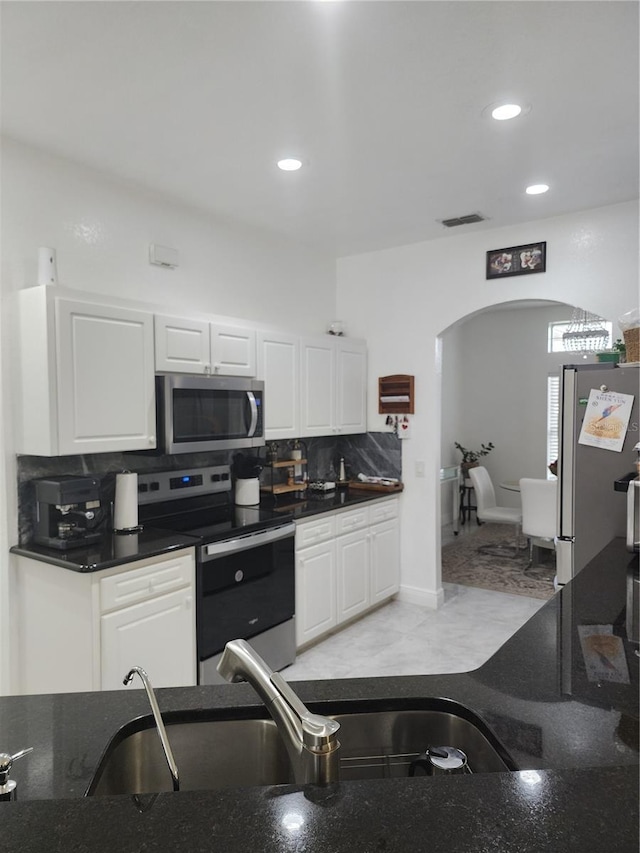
point(281, 488)
point(396, 395)
point(286, 463)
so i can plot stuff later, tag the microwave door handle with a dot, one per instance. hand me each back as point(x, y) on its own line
point(254, 414)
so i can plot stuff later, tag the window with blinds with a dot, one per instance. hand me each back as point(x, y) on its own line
point(553, 418)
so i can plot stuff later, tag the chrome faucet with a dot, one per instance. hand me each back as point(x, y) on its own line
point(155, 710)
point(311, 740)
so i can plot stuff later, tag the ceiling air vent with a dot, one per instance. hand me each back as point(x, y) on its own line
point(463, 220)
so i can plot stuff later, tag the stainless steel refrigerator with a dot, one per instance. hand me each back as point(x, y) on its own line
point(590, 511)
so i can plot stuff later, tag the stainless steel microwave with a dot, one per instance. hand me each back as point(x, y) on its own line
point(204, 413)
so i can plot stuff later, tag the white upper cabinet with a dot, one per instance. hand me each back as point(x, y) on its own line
point(87, 376)
point(187, 345)
point(233, 350)
point(333, 385)
point(278, 367)
point(317, 386)
point(182, 345)
point(351, 385)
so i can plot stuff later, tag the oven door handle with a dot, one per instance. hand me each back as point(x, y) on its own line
point(244, 543)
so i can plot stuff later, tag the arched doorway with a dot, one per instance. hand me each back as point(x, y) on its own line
point(498, 377)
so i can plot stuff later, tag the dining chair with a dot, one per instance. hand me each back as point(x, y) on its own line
point(487, 508)
point(539, 512)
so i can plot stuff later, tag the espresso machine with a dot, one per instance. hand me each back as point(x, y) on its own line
point(68, 511)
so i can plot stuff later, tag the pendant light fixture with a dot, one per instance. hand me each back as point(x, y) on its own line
point(586, 333)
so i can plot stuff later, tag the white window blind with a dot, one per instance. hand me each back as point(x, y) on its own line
point(553, 417)
point(557, 330)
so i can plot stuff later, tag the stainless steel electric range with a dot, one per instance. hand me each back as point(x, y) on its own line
point(245, 564)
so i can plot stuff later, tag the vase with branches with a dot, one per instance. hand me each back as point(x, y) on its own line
point(470, 458)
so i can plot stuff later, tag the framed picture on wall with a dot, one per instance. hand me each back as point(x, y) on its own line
point(517, 260)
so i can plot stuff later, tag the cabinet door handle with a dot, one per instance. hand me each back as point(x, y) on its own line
point(188, 602)
point(152, 440)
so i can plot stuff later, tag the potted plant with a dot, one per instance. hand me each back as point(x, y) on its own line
point(615, 353)
point(470, 457)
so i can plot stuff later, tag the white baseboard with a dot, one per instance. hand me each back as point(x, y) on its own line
point(423, 597)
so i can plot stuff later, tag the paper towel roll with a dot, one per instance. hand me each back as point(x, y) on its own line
point(125, 513)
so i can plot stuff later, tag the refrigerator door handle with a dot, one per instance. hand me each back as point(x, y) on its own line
point(632, 488)
point(564, 558)
point(568, 430)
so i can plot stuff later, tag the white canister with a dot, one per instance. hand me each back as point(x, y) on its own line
point(248, 492)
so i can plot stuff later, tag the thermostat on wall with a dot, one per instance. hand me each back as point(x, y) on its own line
point(162, 256)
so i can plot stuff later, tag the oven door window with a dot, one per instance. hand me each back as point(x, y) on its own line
point(205, 414)
point(244, 593)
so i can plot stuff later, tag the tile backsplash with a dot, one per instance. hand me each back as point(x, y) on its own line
point(377, 454)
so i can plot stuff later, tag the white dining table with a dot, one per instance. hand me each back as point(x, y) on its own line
point(510, 485)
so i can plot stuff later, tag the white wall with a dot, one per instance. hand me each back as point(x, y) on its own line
point(502, 396)
point(451, 411)
point(101, 230)
point(402, 300)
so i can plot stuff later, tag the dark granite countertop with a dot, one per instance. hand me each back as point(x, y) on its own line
point(112, 550)
point(572, 731)
point(119, 549)
point(316, 503)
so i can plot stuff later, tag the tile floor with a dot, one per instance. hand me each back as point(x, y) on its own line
point(407, 639)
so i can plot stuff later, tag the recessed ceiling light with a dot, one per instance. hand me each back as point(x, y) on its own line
point(536, 189)
point(506, 111)
point(289, 164)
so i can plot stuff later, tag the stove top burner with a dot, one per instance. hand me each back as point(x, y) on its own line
point(198, 502)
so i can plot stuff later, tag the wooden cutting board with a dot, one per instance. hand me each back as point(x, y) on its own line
point(375, 487)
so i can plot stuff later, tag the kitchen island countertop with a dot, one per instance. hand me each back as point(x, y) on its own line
point(571, 729)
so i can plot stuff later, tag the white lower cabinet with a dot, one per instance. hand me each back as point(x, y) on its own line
point(140, 633)
point(315, 592)
point(385, 568)
point(84, 631)
point(352, 563)
point(345, 565)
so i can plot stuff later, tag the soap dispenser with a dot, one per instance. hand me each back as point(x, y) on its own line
point(8, 787)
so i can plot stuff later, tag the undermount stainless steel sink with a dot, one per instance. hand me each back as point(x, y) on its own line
point(379, 739)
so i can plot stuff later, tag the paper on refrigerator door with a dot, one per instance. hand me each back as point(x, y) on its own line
point(606, 419)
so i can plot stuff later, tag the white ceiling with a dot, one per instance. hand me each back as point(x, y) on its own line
point(382, 100)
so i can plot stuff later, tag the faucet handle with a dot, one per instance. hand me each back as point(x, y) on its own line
point(318, 733)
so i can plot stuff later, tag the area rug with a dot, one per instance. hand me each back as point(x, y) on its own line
point(498, 568)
